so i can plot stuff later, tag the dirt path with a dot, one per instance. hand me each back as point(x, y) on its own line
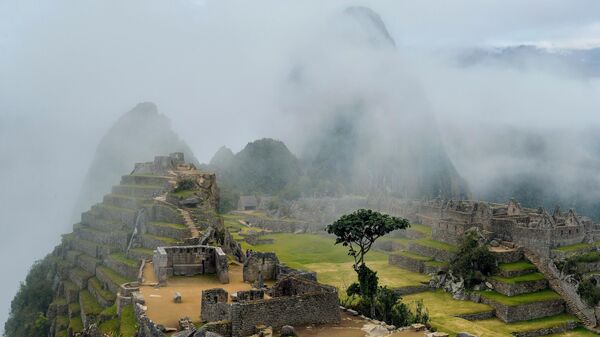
point(162, 309)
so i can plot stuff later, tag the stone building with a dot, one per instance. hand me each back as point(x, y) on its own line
point(293, 301)
point(248, 203)
point(189, 261)
point(530, 228)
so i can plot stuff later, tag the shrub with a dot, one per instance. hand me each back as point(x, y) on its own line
point(473, 262)
point(589, 292)
point(185, 185)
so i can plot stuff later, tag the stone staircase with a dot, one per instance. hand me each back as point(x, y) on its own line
point(567, 291)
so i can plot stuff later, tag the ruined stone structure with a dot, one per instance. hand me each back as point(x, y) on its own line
point(189, 261)
point(100, 263)
point(534, 229)
point(267, 266)
point(294, 301)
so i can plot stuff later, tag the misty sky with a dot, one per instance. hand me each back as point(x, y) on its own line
point(69, 69)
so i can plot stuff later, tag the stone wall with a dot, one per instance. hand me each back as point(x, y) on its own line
point(547, 331)
point(147, 328)
point(437, 254)
point(407, 263)
point(315, 308)
point(294, 301)
point(508, 256)
point(214, 306)
point(189, 261)
point(525, 312)
point(258, 262)
point(513, 289)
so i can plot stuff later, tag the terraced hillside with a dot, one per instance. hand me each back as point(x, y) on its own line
point(521, 304)
point(106, 247)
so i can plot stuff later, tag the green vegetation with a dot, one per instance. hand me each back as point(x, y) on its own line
point(105, 294)
point(588, 257)
point(517, 266)
point(540, 296)
point(76, 324)
point(128, 326)
point(437, 245)
point(59, 301)
point(167, 224)
point(415, 256)
point(589, 292)
point(520, 279)
point(185, 185)
point(89, 303)
point(359, 230)
point(166, 240)
point(29, 306)
point(577, 332)
point(426, 230)
point(575, 247)
point(436, 264)
point(80, 273)
point(332, 263)
point(183, 194)
point(110, 311)
point(110, 327)
point(473, 261)
point(114, 277)
point(74, 308)
point(120, 257)
point(264, 166)
point(438, 302)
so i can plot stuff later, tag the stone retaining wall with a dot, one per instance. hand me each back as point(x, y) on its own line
point(547, 331)
point(478, 316)
point(512, 289)
point(509, 256)
point(437, 254)
point(167, 231)
point(321, 308)
point(406, 262)
point(130, 272)
point(295, 301)
point(525, 312)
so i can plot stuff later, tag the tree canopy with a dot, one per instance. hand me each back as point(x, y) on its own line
point(359, 230)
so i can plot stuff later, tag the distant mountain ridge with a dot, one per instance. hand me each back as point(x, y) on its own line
point(137, 135)
point(582, 62)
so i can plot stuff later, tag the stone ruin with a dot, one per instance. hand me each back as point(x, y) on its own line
point(534, 229)
point(260, 266)
point(293, 301)
point(190, 261)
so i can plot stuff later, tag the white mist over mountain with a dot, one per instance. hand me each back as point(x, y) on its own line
point(218, 70)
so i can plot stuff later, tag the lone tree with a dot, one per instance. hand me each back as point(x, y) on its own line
point(358, 231)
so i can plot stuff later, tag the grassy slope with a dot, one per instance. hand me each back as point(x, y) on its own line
point(331, 262)
point(334, 266)
point(517, 266)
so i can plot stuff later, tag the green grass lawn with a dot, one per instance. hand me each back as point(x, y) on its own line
point(331, 262)
point(120, 257)
point(414, 256)
point(579, 246)
point(167, 224)
point(421, 229)
point(437, 245)
point(517, 266)
point(443, 309)
point(539, 296)
point(519, 279)
point(579, 332)
point(89, 303)
point(544, 322)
